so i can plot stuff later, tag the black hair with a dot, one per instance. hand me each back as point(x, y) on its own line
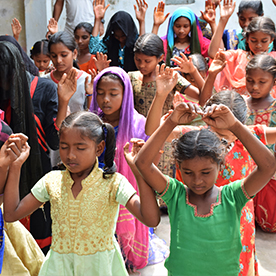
point(63, 37)
point(201, 143)
point(149, 44)
point(264, 62)
point(260, 24)
point(255, 5)
point(40, 47)
point(87, 26)
point(233, 100)
point(199, 62)
point(91, 126)
point(112, 76)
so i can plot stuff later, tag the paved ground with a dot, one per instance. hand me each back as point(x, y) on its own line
point(265, 246)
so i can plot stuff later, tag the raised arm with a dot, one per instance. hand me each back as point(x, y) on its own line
point(99, 12)
point(16, 28)
point(220, 117)
point(67, 86)
point(225, 13)
point(166, 80)
point(159, 17)
point(15, 209)
point(216, 66)
point(58, 7)
point(141, 14)
point(184, 113)
point(145, 206)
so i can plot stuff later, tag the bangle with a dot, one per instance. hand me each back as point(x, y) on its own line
point(102, 21)
point(88, 95)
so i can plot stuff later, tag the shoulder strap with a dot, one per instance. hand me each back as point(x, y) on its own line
point(33, 86)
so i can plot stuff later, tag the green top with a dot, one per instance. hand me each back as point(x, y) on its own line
point(204, 244)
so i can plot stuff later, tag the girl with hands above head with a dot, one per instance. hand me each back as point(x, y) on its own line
point(199, 211)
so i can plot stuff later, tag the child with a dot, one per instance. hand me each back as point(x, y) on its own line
point(41, 57)
point(63, 51)
point(113, 102)
point(247, 10)
point(184, 36)
point(201, 212)
point(120, 36)
point(238, 163)
point(260, 79)
point(84, 199)
point(82, 34)
point(148, 52)
point(259, 34)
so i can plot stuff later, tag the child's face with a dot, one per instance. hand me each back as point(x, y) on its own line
point(245, 17)
point(259, 83)
point(258, 42)
point(146, 64)
point(182, 27)
point(41, 61)
point(110, 96)
point(199, 174)
point(82, 38)
point(78, 152)
point(62, 57)
point(120, 36)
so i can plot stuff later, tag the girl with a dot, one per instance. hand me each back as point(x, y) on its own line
point(36, 107)
point(41, 56)
point(63, 51)
point(260, 79)
point(113, 101)
point(84, 199)
point(247, 10)
point(201, 212)
point(148, 52)
point(82, 34)
point(238, 162)
point(259, 34)
point(120, 36)
point(184, 36)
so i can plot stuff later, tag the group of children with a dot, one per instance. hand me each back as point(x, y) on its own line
point(141, 116)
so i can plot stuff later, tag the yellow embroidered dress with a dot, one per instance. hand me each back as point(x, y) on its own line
point(83, 227)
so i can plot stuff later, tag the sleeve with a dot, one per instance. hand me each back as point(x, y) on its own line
point(182, 84)
point(125, 191)
point(172, 189)
point(96, 45)
point(259, 132)
point(50, 106)
point(39, 190)
point(237, 194)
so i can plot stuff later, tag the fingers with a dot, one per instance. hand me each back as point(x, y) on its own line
point(126, 148)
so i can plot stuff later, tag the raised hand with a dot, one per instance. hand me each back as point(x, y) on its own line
point(227, 9)
point(177, 99)
point(218, 63)
point(131, 155)
point(99, 8)
point(140, 12)
point(185, 113)
point(101, 61)
point(184, 65)
point(16, 28)
point(52, 26)
point(67, 85)
point(219, 116)
point(16, 150)
point(209, 15)
point(166, 79)
point(158, 14)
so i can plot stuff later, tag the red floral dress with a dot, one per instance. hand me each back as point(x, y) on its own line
point(238, 165)
point(265, 200)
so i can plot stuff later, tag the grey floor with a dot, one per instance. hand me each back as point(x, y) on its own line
point(265, 246)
